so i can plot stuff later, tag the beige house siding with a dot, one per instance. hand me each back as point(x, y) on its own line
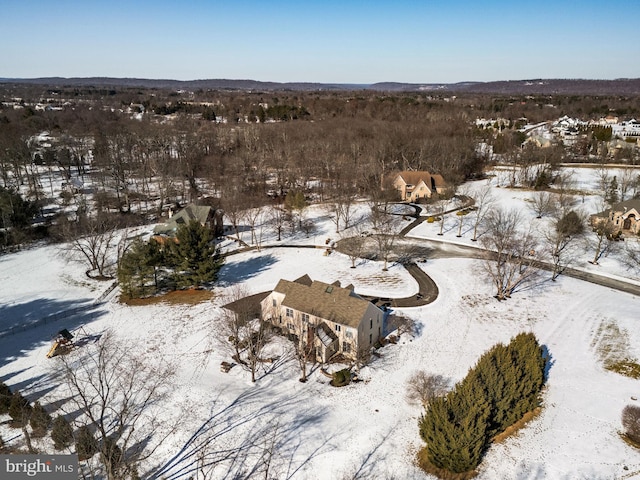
point(624, 216)
point(348, 325)
point(412, 185)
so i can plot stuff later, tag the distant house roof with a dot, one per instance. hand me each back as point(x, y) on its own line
point(323, 300)
point(191, 212)
point(412, 177)
point(633, 204)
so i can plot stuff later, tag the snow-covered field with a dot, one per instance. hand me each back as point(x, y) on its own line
point(365, 430)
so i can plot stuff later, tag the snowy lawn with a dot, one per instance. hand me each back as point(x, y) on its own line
point(366, 429)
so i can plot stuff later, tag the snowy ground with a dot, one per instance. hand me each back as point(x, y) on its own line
point(365, 430)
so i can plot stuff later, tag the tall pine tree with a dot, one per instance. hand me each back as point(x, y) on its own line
point(194, 256)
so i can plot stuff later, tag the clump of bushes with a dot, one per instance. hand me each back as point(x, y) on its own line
point(5, 398)
point(631, 423)
point(341, 378)
point(86, 444)
point(40, 421)
point(61, 433)
point(503, 386)
point(19, 410)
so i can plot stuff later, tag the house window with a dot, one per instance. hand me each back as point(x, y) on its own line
point(305, 317)
point(346, 347)
point(370, 338)
point(274, 302)
point(289, 313)
point(370, 323)
point(337, 328)
point(349, 334)
point(290, 326)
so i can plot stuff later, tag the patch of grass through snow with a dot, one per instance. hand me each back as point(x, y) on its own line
point(177, 297)
point(612, 346)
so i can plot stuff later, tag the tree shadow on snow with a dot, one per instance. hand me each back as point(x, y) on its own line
point(246, 437)
point(233, 272)
point(371, 465)
point(33, 325)
point(550, 362)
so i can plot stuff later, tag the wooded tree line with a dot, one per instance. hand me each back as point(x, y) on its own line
point(333, 146)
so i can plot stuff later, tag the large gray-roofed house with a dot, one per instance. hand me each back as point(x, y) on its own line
point(203, 214)
point(336, 319)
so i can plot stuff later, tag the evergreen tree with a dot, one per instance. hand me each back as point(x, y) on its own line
point(5, 398)
point(528, 356)
point(61, 433)
point(503, 386)
point(14, 210)
point(19, 410)
point(40, 420)
point(86, 444)
point(138, 268)
point(455, 428)
point(194, 256)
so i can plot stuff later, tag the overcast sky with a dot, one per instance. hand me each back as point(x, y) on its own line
point(321, 41)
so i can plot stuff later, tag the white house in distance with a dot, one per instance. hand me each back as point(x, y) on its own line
point(335, 319)
point(416, 185)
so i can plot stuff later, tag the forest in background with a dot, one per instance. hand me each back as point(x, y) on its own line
point(135, 151)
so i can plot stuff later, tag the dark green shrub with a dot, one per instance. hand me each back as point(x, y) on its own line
point(61, 433)
point(496, 393)
point(341, 378)
point(86, 444)
point(19, 410)
point(39, 420)
point(5, 398)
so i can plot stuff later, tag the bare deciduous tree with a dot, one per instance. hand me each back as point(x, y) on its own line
point(626, 182)
point(301, 332)
point(246, 333)
point(117, 395)
point(353, 247)
point(401, 324)
point(560, 240)
point(386, 237)
point(339, 210)
point(255, 220)
point(422, 387)
point(564, 186)
point(256, 337)
point(484, 198)
point(510, 264)
point(543, 204)
point(605, 231)
point(233, 322)
point(632, 255)
point(91, 240)
point(631, 422)
point(278, 218)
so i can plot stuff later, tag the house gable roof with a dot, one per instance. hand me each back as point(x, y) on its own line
point(200, 213)
point(633, 204)
point(327, 301)
point(412, 177)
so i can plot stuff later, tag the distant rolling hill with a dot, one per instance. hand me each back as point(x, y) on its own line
point(622, 86)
